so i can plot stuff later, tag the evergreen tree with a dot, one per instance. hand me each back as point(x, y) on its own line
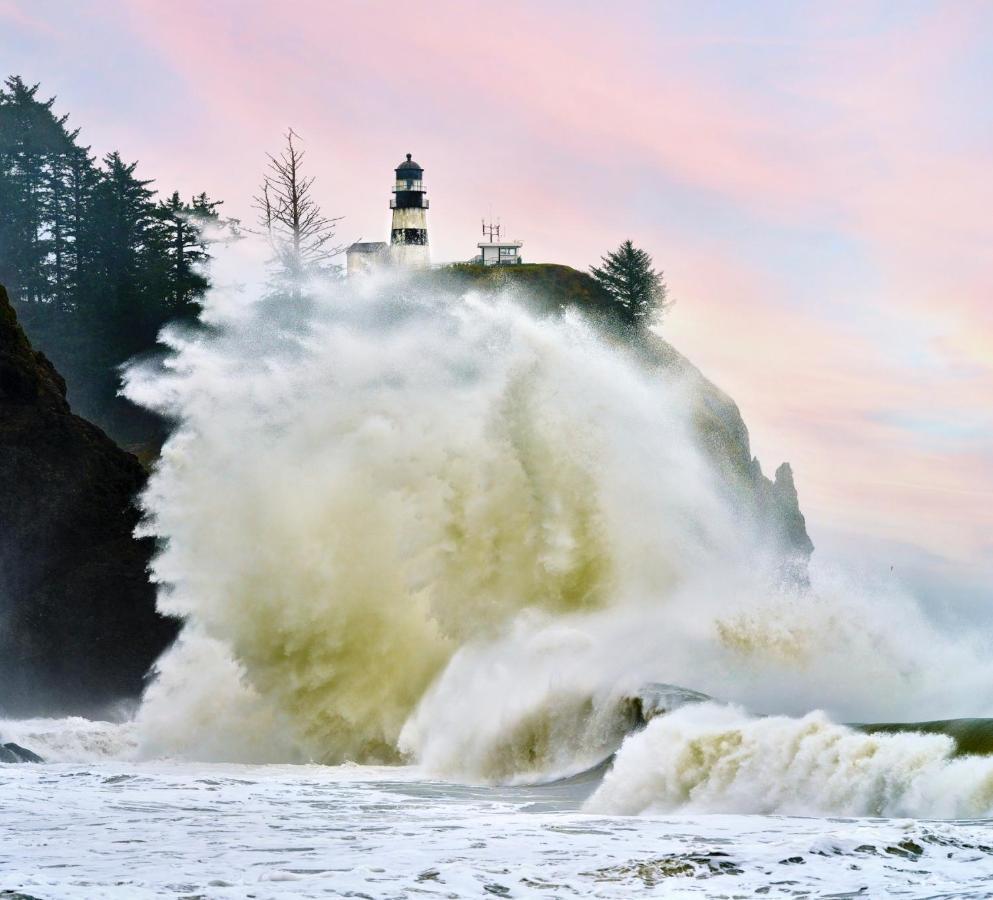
point(121, 225)
point(32, 139)
point(82, 176)
point(94, 262)
point(639, 293)
point(183, 244)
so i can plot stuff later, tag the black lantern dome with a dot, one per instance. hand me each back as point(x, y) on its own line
point(409, 169)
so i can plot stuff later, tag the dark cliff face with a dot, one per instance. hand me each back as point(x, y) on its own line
point(78, 626)
point(770, 506)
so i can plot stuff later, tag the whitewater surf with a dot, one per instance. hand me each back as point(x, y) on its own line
point(123, 827)
point(408, 523)
point(442, 557)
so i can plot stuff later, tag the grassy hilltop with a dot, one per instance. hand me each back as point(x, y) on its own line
point(550, 285)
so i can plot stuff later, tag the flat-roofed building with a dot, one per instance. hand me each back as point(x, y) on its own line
point(363, 257)
point(500, 253)
point(496, 252)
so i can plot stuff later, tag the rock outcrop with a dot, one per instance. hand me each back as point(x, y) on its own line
point(770, 506)
point(658, 699)
point(78, 625)
point(15, 753)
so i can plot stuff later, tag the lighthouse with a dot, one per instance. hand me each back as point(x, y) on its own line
point(409, 236)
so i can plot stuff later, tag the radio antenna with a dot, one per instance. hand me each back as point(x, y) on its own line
point(491, 231)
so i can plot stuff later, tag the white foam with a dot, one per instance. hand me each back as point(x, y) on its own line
point(408, 524)
point(71, 739)
point(157, 829)
point(713, 758)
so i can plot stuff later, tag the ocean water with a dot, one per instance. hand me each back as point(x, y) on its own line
point(121, 828)
point(432, 552)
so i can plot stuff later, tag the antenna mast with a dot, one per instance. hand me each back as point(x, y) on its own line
point(491, 231)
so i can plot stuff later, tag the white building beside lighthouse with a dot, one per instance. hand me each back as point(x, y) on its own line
point(409, 234)
point(497, 252)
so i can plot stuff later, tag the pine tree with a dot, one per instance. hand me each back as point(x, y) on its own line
point(121, 229)
point(183, 243)
point(82, 178)
point(639, 292)
point(32, 140)
point(96, 265)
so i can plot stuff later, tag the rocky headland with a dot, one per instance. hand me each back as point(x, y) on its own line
point(78, 625)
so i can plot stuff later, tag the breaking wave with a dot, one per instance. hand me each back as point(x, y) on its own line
point(413, 524)
point(713, 758)
point(72, 739)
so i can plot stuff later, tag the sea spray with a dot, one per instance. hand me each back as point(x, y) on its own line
point(509, 709)
point(354, 493)
point(416, 524)
point(73, 739)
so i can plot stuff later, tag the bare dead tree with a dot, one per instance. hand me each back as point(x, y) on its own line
point(301, 237)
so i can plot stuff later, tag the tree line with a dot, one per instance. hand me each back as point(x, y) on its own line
point(95, 260)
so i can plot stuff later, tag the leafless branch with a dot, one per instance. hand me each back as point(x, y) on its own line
point(301, 236)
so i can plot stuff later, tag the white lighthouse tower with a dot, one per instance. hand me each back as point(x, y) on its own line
point(409, 237)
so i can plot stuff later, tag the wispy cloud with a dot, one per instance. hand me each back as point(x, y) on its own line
point(815, 181)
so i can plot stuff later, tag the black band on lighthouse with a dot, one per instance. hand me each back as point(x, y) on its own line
point(409, 236)
point(410, 199)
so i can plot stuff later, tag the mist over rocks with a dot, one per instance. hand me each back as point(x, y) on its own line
point(78, 626)
point(463, 494)
point(770, 506)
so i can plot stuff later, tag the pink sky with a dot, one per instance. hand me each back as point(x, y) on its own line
point(814, 179)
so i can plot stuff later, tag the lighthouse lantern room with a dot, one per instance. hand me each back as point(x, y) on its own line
point(409, 236)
